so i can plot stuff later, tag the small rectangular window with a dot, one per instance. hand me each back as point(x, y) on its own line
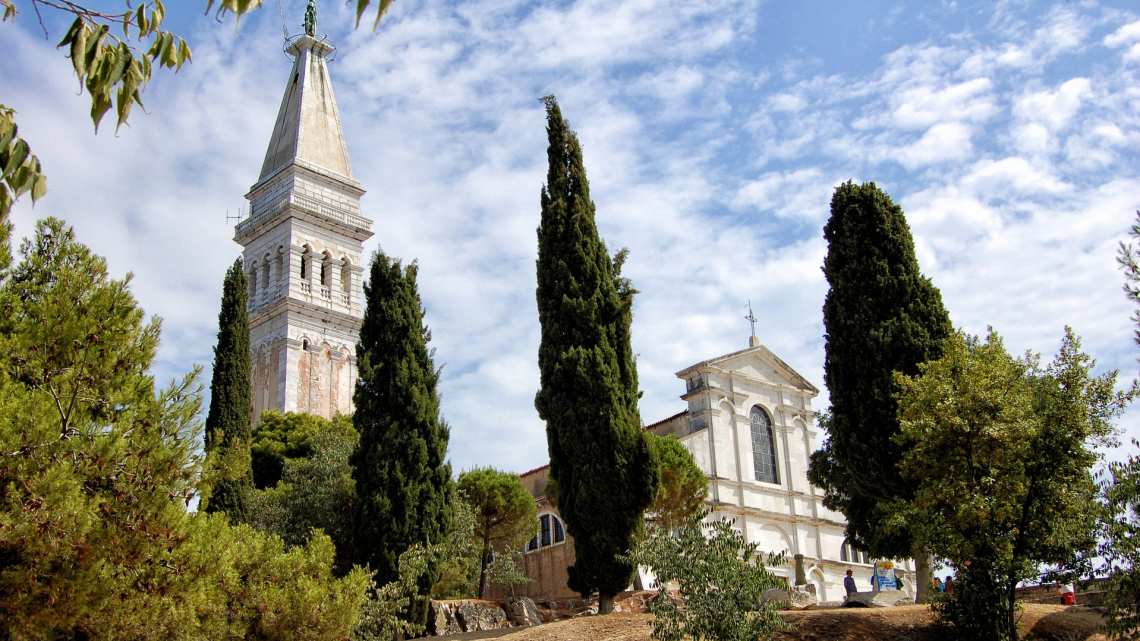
point(545, 520)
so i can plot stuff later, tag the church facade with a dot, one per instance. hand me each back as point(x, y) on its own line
point(750, 426)
point(303, 244)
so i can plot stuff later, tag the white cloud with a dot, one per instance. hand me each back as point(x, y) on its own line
point(944, 142)
point(1011, 146)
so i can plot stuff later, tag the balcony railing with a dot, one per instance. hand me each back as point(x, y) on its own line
point(309, 205)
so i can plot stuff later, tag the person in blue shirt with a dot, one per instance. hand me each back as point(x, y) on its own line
point(849, 584)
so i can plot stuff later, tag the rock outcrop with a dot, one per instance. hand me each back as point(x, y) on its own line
point(797, 599)
point(880, 599)
point(453, 617)
point(522, 611)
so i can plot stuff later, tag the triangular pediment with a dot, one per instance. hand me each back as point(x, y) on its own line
point(757, 362)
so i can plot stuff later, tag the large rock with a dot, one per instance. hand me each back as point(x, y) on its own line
point(476, 616)
point(441, 619)
point(797, 599)
point(522, 611)
point(880, 599)
point(454, 617)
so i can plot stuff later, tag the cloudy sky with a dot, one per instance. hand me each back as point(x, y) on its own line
point(714, 134)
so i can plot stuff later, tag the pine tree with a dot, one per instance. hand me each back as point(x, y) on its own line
point(403, 482)
point(880, 316)
point(231, 410)
point(601, 464)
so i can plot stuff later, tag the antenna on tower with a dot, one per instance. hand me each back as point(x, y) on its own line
point(241, 213)
point(284, 27)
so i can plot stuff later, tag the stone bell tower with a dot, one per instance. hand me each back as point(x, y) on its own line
point(302, 248)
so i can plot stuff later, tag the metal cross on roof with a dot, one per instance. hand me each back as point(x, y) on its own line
point(751, 318)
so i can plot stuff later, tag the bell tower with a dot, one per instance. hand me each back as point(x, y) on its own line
point(302, 243)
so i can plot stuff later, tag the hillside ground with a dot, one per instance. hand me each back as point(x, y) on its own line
point(911, 623)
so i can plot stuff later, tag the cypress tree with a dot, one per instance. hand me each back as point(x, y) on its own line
point(231, 410)
point(880, 316)
point(600, 462)
point(403, 482)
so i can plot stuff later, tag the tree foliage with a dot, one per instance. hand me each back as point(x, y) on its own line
point(1121, 548)
point(316, 493)
point(603, 466)
point(684, 487)
point(881, 316)
point(403, 481)
point(506, 573)
point(1000, 450)
point(227, 435)
point(97, 469)
point(460, 562)
point(505, 513)
point(392, 609)
point(278, 437)
point(721, 578)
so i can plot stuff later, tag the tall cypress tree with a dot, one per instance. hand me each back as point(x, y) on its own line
point(880, 316)
point(231, 410)
point(403, 482)
point(600, 462)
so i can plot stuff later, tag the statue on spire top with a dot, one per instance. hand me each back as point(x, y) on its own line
point(311, 18)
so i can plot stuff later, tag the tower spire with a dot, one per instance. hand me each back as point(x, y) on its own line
point(308, 128)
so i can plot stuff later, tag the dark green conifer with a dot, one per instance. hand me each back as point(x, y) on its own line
point(600, 462)
point(231, 410)
point(403, 482)
point(880, 316)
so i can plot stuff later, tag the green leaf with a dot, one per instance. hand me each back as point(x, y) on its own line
point(100, 103)
point(78, 38)
point(141, 19)
point(40, 188)
point(122, 63)
point(9, 10)
point(183, 54)
point(19, 154)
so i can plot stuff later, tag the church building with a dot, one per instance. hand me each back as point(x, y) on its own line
point(750, 426)
point(302, 249)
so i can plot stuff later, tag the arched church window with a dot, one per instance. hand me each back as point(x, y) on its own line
point(851, 554)
point(253, 283)
point(550, 532)
point(559, 533)
point(764, 447)
point(265, 274)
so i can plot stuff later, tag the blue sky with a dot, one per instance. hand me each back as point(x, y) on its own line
point(714, 133)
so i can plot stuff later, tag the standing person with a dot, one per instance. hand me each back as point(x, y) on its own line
point(1068, 594)
point(849, 584)
point(949, 585)
point(938, 585)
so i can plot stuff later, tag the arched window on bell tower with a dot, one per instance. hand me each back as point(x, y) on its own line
point(252, 276)
point(306, 263)
point(326, 269)
point(346, 277)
